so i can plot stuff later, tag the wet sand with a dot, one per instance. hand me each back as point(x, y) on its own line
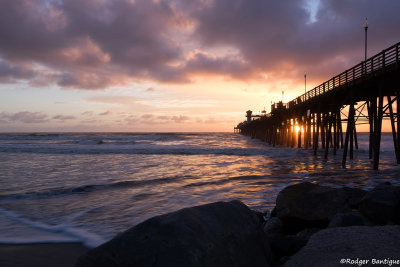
point(46, 254)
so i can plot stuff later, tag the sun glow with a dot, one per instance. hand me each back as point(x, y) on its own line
point(296, 128)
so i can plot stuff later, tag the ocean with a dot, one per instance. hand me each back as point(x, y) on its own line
point(88, 187)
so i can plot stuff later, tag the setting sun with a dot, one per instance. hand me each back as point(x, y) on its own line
point(296, 128)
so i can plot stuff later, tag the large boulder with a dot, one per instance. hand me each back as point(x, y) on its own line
point(310, 205)
point(347, 245)
point(347, 219)
point(353, 196)
point(285, 245)
point(273, 225)
point(382, 204)
point(217, 234)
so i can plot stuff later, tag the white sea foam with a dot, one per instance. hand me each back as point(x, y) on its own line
point(17, 229)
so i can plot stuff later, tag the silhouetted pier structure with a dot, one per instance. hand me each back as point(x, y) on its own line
point(363, 94)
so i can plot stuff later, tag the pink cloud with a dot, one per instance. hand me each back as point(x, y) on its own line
point(25, 117)
point(180, 119)
point(87, 113)
point(147, 116)
point(63, 117)
point(107, 112)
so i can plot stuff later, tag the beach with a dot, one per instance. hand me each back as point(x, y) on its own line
point(50, 254)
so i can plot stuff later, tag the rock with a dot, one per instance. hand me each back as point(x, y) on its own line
point(309, 205)
point(273, 225)
point(347, 219)
point(285, 245)
point(353, 196)
point(382, 204)
point(217, 234)
point(260, 215)
point(328, 247)
point(307, 233)
point(273, 212)
point(267, 215)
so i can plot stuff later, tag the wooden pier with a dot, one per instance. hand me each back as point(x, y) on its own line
point(329, 114)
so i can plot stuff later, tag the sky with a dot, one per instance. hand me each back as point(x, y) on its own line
point(173, 65)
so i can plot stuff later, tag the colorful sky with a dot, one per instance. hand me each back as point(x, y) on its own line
point(173, 65)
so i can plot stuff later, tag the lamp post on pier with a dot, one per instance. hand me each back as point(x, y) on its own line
point(366, 30)
point(305, 82)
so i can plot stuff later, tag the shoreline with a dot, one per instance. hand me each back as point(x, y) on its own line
point(41, 254)
point(307, 221)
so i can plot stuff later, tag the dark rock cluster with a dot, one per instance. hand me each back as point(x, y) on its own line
point(311, 225)
point(323, 214)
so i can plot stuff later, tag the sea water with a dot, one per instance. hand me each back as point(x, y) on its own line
point(88, 187)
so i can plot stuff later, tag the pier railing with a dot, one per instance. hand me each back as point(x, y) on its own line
point(373, 65)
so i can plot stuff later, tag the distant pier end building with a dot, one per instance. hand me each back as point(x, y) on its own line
point(250, 117)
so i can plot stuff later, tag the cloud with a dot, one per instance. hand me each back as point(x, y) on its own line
point(115, 99)
point(25, 117)
point(11, 72)
point(277, 37)
point(147, 116)
point(63, 117)
point(88, 113)
point(89, 43)
point(180, 119)
point(105, 113)
point(158, 119)
point(201, 62)
point(84, 80)
point(100, 44)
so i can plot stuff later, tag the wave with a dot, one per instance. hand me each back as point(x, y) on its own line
point(259, 179)
point(99, 136)
point(60, 233)
point(91, 188)
point(140, 150)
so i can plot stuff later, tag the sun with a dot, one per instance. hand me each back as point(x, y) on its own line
point(296, 128)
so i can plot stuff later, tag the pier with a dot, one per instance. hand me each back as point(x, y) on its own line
point(326, 117)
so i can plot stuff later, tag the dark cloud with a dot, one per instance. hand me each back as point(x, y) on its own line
point(11, 73)
point(97, 44)
point(88, 80)
point(203, 63)
point(278, 37)
point(89, 42)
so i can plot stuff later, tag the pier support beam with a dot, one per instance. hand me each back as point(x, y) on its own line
point(317, 133)
point(377, 131)
point(371, 118)
point(394, 134)
point(299, 133)
point(349, 133)
point(328, 133)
